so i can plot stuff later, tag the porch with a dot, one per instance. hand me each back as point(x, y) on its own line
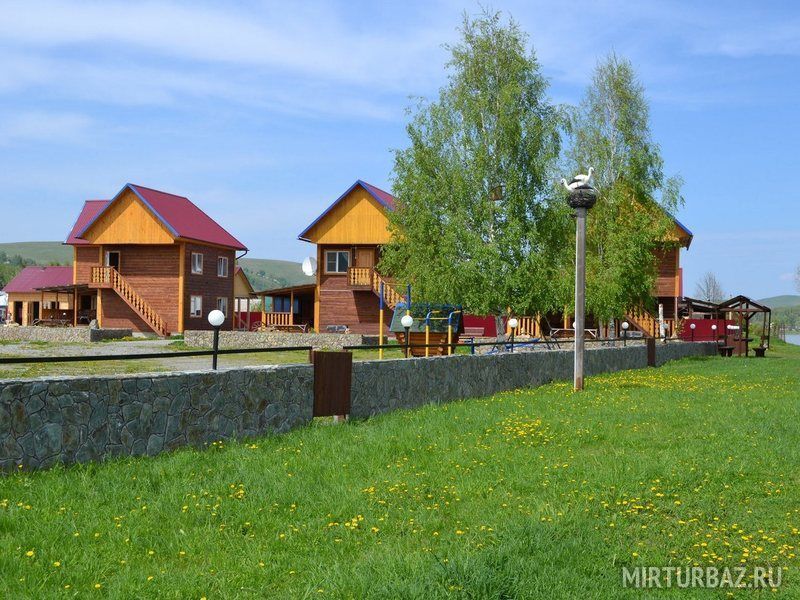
point(288, 309)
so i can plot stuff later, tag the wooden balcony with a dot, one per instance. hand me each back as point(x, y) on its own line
point(101, 277)
point(360, 277)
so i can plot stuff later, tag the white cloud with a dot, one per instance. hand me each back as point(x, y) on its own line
point(308, 38)
point(41, 126)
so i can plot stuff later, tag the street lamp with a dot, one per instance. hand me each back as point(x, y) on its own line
point(693, 326)
point(407, 321)
point(581, 198)
point(216, 318)
point(625, 326)
point(714, 332)
point(513, 323)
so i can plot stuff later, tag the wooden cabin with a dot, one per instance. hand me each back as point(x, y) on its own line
point(348, 237)
point(152, 262)
point(37, 295)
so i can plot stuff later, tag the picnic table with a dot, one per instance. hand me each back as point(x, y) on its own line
point(52, 322)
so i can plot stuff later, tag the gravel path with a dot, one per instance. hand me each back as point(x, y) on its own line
point(125, 366)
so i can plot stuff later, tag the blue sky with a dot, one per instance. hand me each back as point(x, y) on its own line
point(264, 112)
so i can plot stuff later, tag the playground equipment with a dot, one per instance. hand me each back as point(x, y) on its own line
point(435, 327)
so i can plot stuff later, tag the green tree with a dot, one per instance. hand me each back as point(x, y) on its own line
point(476, 222)
point(630, 222)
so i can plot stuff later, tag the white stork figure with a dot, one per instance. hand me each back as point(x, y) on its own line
point(578, 180)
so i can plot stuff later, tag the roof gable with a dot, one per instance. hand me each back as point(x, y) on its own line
point(383, 201)
point(128, 220)
point(90, 210)
point(176, 214)
point(241, 285)
point(31, 279)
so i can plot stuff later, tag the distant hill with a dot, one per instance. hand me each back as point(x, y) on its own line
point(268, 274)
point(264, 273)
point(42, 253)
point(781, 301)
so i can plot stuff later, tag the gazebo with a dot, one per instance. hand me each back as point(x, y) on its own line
point(742, 309)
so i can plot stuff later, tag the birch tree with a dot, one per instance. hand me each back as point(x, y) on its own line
point(477, 223)
point(611, 133)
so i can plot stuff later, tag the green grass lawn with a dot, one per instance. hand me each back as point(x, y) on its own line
point(532, 493)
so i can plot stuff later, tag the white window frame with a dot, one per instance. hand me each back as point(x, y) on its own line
point(199, 270)
point(337, 253)
point(222, 304)
point(108, 259)
point(198, 310)
point(222, 260)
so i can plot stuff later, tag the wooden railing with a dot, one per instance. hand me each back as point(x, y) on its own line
point(368, 277)
point(110, 277)
point(276, 318)
point(360, 276)
point(391, 297)
point(525, 326)
point(648, 324)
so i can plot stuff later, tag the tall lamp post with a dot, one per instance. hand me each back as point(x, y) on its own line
point(513, 323)
point(581, 198)
point(216, 318)
point(693, 326)
point(625, 326)
point(407, 321)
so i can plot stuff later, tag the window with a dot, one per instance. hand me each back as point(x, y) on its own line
point(222, 304)
point(196, 306)
point(222, 266)
point(336, 261)
point(197, 263)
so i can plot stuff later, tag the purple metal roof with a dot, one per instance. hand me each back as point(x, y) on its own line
point(178, 214)
point(31, 279)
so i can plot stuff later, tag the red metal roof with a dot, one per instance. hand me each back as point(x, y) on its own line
point(91, 209)
point(31, 279)
point(177, 213)
point(384, 198)
point(380, 195)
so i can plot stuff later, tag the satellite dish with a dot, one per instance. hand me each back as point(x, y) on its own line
point(310, 266)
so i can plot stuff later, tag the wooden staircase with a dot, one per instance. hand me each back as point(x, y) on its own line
point(643, 321)
point(391, 297)
point(367, 278)
point(109, 277)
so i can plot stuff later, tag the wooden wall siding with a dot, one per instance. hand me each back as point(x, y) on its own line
point(208, 285)
point(128, 221)
point(86, 257)
point(241, 289)
point(153, 273)
point(667, 272)
point(357, 219)
point(339, 305)
point(117, 314)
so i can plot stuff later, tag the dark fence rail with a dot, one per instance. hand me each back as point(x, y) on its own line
point(141, 356)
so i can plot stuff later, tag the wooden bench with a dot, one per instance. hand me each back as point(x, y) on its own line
point(726, 350)
point(474, 331)
point(760, 350)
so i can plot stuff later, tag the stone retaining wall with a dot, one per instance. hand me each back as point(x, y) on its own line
point(383, 386)
point(61, 334)
point(71, 419)
point(274, 339)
